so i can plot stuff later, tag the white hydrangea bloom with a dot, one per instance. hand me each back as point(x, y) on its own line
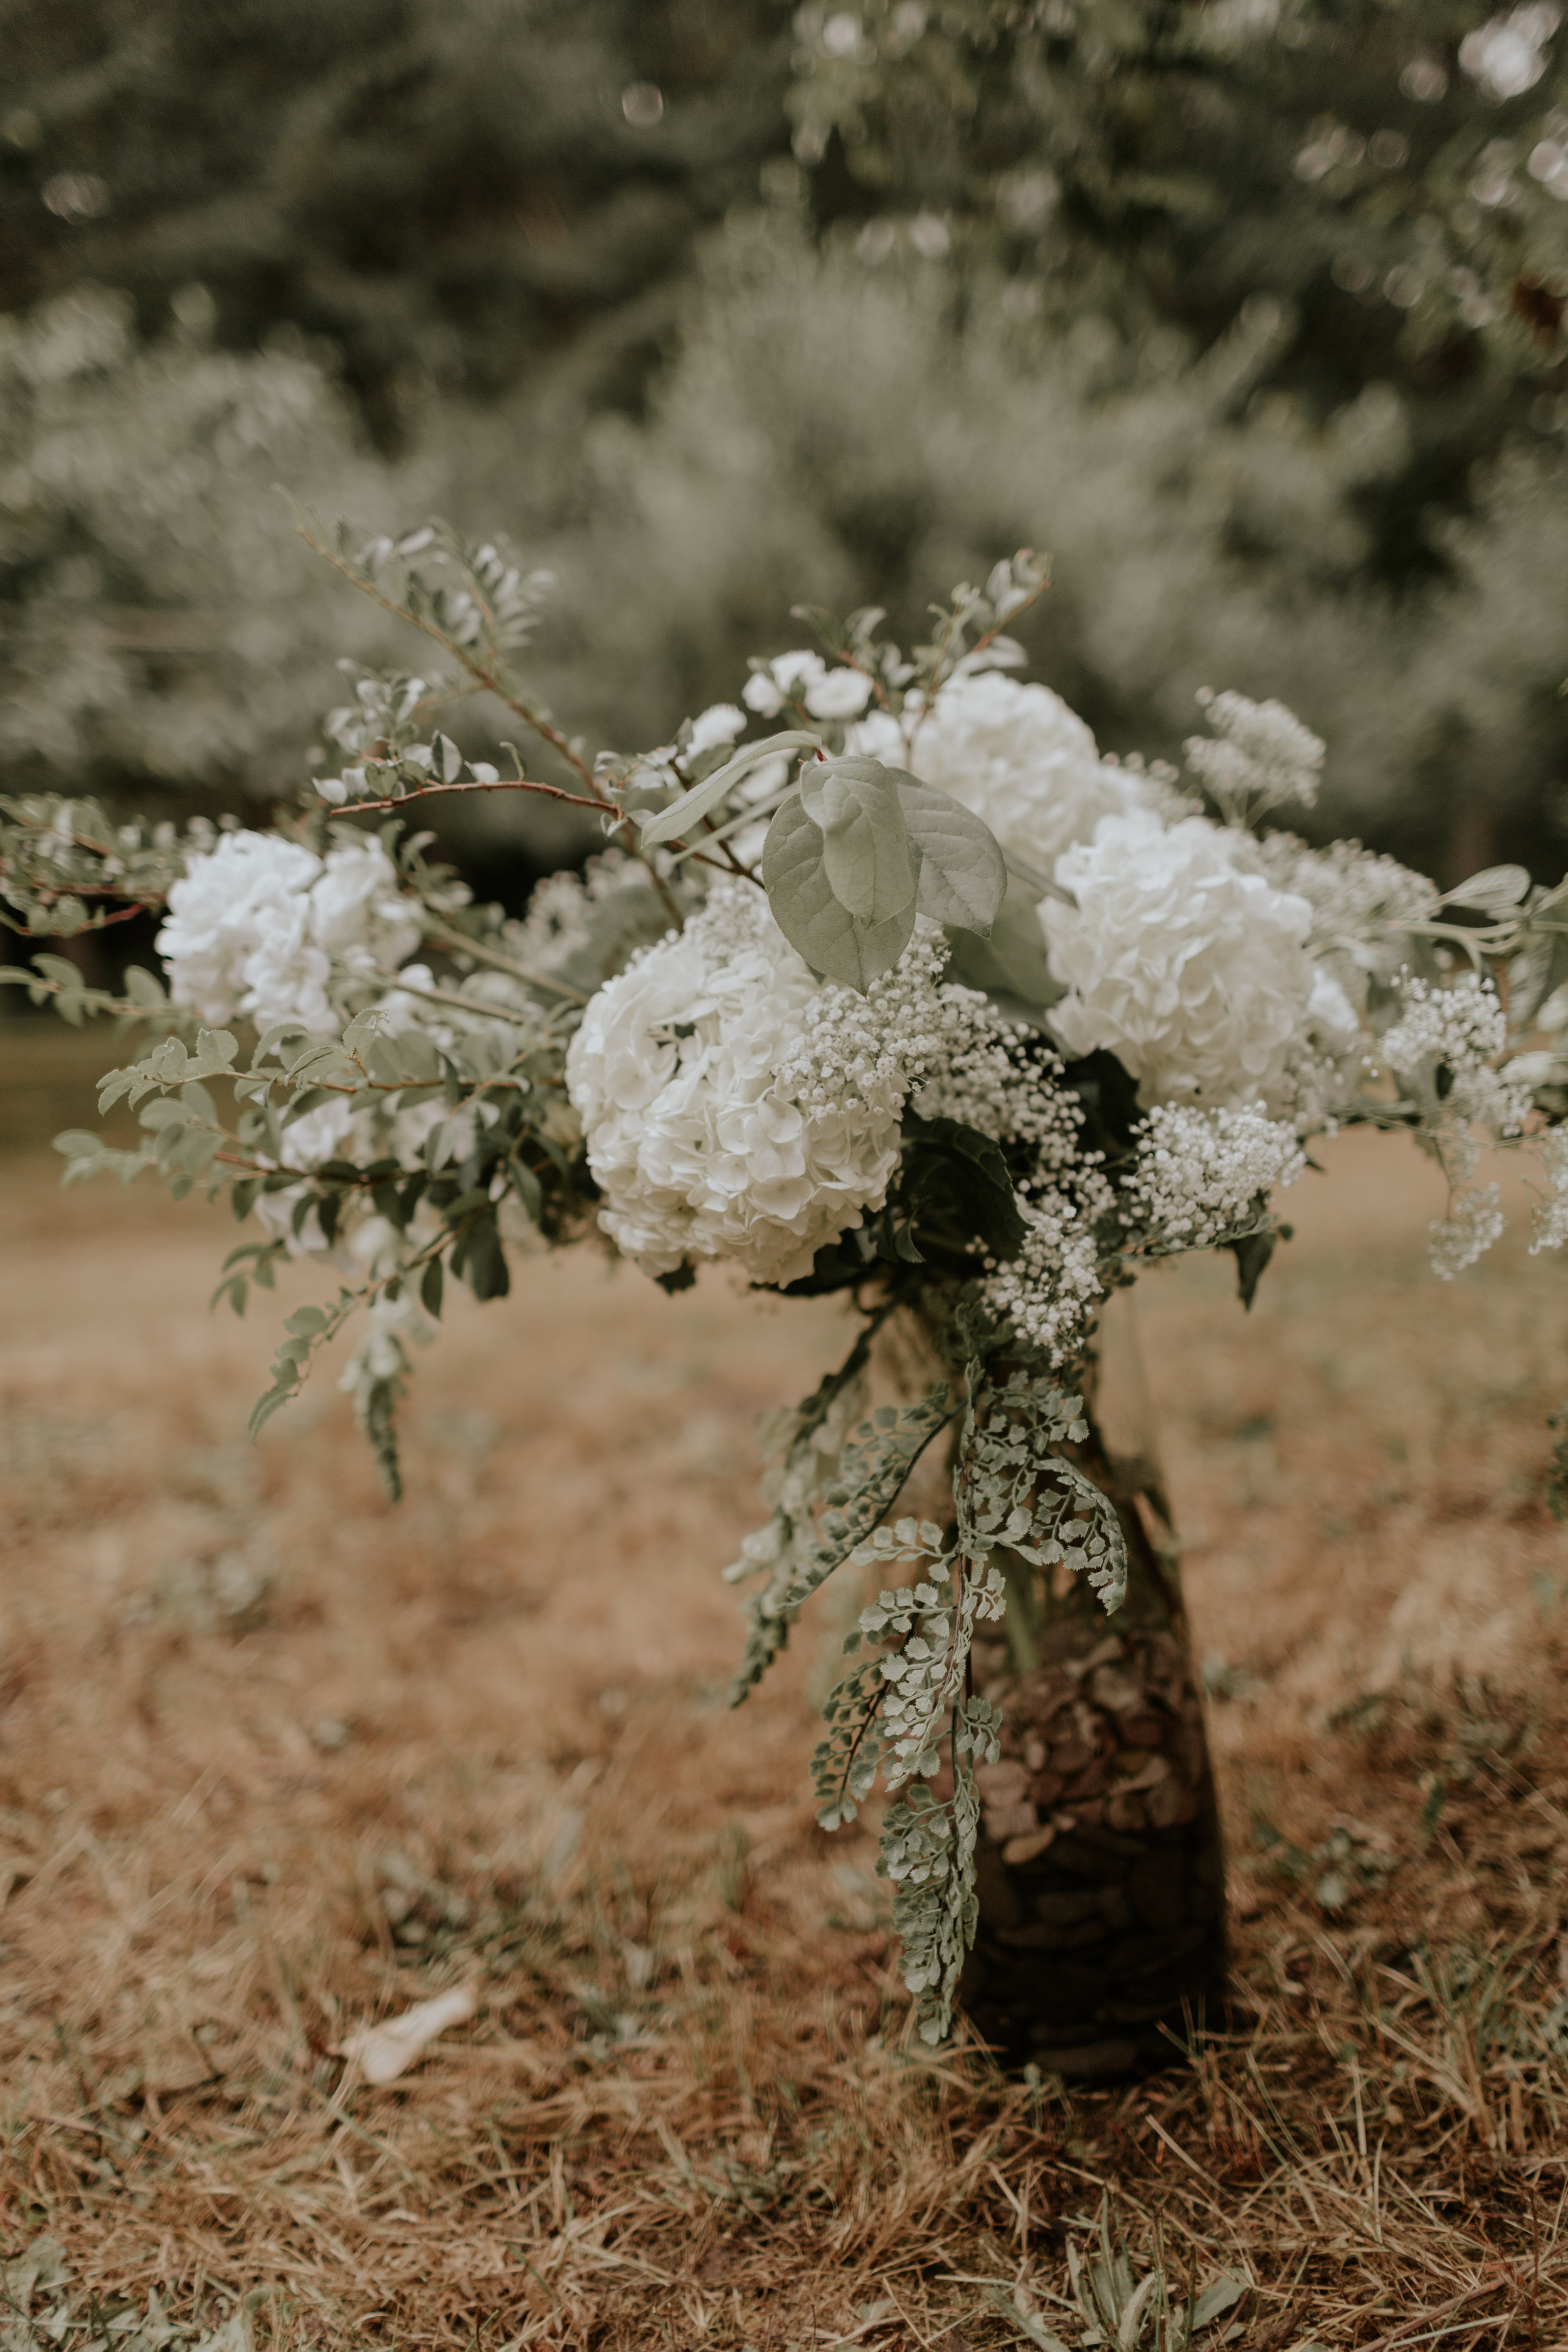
point(1017, 756)
point(255, 924)
point(735, 1107)
point(1200, 1172)
point(1182, 961)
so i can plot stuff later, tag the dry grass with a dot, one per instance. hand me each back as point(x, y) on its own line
point(275, 1759)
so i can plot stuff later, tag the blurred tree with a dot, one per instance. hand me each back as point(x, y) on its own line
point(449, 190)
point(1393, 173)
point(869, 431)
point(166, 639)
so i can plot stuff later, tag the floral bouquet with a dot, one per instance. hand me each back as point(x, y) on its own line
point(885, 983)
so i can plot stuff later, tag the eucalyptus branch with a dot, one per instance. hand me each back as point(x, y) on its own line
point(482, 674)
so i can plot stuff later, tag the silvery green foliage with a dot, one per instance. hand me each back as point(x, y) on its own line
point(819, 1521)
point(856, 850)
point(69, 866)
point(1018, 1496)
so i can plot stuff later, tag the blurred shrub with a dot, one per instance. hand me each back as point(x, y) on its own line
point(162, 625)
point(838, 430)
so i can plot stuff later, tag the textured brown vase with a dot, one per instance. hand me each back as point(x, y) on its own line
point(1102, 1871)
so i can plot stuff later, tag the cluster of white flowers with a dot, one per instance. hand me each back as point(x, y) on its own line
point(861, 1053)
point(1356, 895)
point(1474, 1221)
point(804, 677)
point(1201, 1173)
point(1462, 1030)
point(1257, 756)
point(1459, 1026)
point(942, 1048)
point(732, 1105)
point(259, 928)
point(1551, 1213)
point(1017, 756)
point(1006, 1086)
point(1048, 1290)
point(1186, 962)
point(1447, 1042)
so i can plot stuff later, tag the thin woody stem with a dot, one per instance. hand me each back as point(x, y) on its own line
point(99, 923)
point(600, 800)
point(477, 670)
point(501, 784)
point(460, 940)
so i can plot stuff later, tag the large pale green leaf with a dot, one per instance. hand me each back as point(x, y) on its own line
point(963, 872)
point(1012, 962)
point(832, 939)
point(695, 804)
point(866, 847)
point(1495, 892)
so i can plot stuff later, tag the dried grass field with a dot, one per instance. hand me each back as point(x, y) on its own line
point(277, 1759)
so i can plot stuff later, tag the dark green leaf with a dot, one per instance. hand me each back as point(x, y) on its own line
point(1108, 1094)
point(484, 1267)
point(1252, 1253)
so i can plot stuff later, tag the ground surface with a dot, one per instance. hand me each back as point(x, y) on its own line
point(276, 1758)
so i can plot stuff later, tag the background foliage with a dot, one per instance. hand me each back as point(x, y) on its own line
point(1251, 315)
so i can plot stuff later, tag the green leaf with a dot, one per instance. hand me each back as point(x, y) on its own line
point(692, 806)
point(1013, 961)
point(866, 853)
point(527, 1188)
point(1218, 2295)
point(986, 1196)
point(1252, 1253)
point(76, 1143)
point(1495, 891)
point(144, 990)
point(430, 1287)
point(963, 872)
point(833, 941)
point(483, 1264)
